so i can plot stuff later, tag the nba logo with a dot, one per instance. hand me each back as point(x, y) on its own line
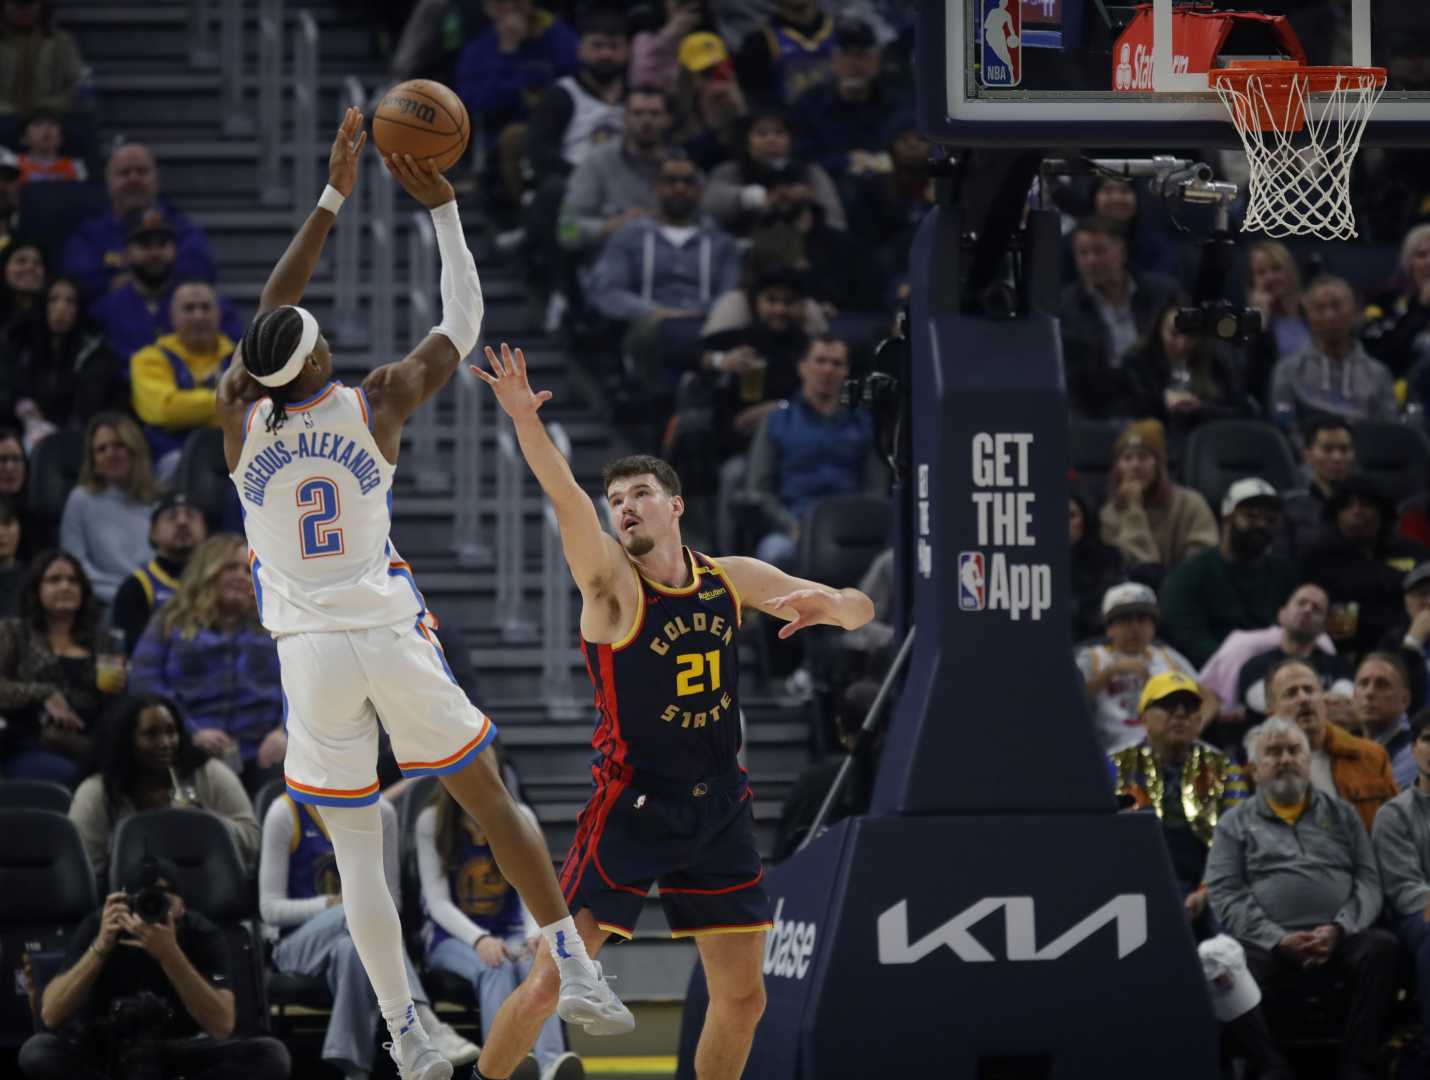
point(1002, 51)
point(970, 581)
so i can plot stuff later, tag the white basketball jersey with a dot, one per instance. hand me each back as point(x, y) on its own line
point(593, 121)
point(316, 501)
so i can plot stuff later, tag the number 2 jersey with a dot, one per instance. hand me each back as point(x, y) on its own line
point(317, 507)
point(668, 690)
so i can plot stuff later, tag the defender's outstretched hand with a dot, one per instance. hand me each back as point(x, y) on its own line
point(812, 607)
point(347, 145)
point(420, 179)
point(508, 382)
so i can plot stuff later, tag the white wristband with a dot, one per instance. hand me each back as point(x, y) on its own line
point(331, 200)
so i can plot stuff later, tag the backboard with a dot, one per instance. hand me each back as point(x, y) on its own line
point(1093, 73)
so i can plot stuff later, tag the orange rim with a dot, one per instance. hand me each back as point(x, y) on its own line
point(1283, 109)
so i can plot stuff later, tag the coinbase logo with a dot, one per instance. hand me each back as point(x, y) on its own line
point(789, 947)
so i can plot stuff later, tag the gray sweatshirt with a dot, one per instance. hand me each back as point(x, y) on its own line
point(108, 532)
point(1356, 388)
point(607, 183)
point(1266, 878)
point(1401, 839)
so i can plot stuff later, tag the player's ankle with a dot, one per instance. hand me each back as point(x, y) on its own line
point(564, 941)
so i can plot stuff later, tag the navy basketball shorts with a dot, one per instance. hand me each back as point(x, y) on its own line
point(696, 842)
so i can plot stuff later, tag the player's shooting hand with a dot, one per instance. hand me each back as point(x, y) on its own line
point(347, 145)
point(508, 381)
point(811, 607)
point(420, 179)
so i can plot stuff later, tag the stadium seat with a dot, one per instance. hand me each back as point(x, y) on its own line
point(46, 890)
point(840, 536)
point(54, 470)
point(213, 883)
point(264, 799)
point(202, 473)
point(1224, 451)
point(35, 795)
point(1395, 455)
point(1090, 454)
point(52, 210)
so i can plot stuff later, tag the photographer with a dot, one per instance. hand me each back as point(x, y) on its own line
point(144, 993)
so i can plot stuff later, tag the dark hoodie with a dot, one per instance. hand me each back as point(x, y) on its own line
point(1370, 577)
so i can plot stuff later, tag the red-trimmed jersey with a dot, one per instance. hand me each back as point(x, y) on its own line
point(668, 690)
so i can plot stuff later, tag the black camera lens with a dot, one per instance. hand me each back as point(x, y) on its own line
point(151, 904)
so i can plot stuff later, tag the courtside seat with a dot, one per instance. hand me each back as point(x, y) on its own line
point(1090, 453)
point(840, 536)
point(54, 469)
point(202, 473)
point(1223, 451)
point(1397, 456)
point(46, 890)
point(35, 795)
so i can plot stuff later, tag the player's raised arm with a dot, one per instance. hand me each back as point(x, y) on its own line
point(592, 554)
point(290, 276)
point(396, 390)
point(798, 601)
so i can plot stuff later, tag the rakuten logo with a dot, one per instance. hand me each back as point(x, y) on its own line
point(1020, 943)
point(789, 947)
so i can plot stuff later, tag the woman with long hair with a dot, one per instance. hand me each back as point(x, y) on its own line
point(148, 761)
point(478, 928)
point(206, 649)
point(1274, 289)
point(1183, 380)
point(1151, 520)
point(49, 690)
point(57, 370)
point(106, 517)
point(22, 281)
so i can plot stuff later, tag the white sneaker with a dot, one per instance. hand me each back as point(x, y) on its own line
point(567, 1067)
point(417, 1058)
point(453, 1047)
point(588, 1001)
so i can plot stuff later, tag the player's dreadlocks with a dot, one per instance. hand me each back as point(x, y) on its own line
point(267, 344)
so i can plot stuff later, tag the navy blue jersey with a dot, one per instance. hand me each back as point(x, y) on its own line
point(478, 888)
point(667, 691)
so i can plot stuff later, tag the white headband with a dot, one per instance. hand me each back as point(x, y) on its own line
point(306, 343)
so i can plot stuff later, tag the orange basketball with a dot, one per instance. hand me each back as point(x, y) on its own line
point(422, 118)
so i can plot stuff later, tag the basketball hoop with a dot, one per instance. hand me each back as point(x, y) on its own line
point(1300, 183)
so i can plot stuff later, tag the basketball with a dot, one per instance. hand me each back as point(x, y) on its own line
point(422, 118)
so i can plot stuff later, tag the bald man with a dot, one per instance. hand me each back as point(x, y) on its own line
point(95, 254)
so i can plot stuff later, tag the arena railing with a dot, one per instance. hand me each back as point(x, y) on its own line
point(271, 191)
point(382, 267)
point(557, 654)
point(348, 322)
point(201, 35)
point(305, 115)
point(237, 119)
point(468, 453)
point(512, 621)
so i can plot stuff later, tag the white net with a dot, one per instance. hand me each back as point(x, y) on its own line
point(1300, 156)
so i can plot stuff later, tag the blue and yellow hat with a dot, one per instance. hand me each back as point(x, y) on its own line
point(1164, 686)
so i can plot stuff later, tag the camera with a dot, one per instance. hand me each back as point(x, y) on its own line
point(150, 903)
point(136, 1026)
point(1220, 320)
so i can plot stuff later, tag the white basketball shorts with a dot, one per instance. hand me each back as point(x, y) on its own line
point(338, 685)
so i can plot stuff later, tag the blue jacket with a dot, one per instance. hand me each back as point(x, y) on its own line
point(829, 127)
point(800, 456)
point(495, 85)
point(129, 325)
point(640, 270)
point(225, 681)
point(95, 251)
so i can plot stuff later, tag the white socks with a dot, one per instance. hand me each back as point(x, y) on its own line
point(356, 832)
point(564, 941)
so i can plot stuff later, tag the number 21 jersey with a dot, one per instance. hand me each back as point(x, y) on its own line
point(316, 500)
